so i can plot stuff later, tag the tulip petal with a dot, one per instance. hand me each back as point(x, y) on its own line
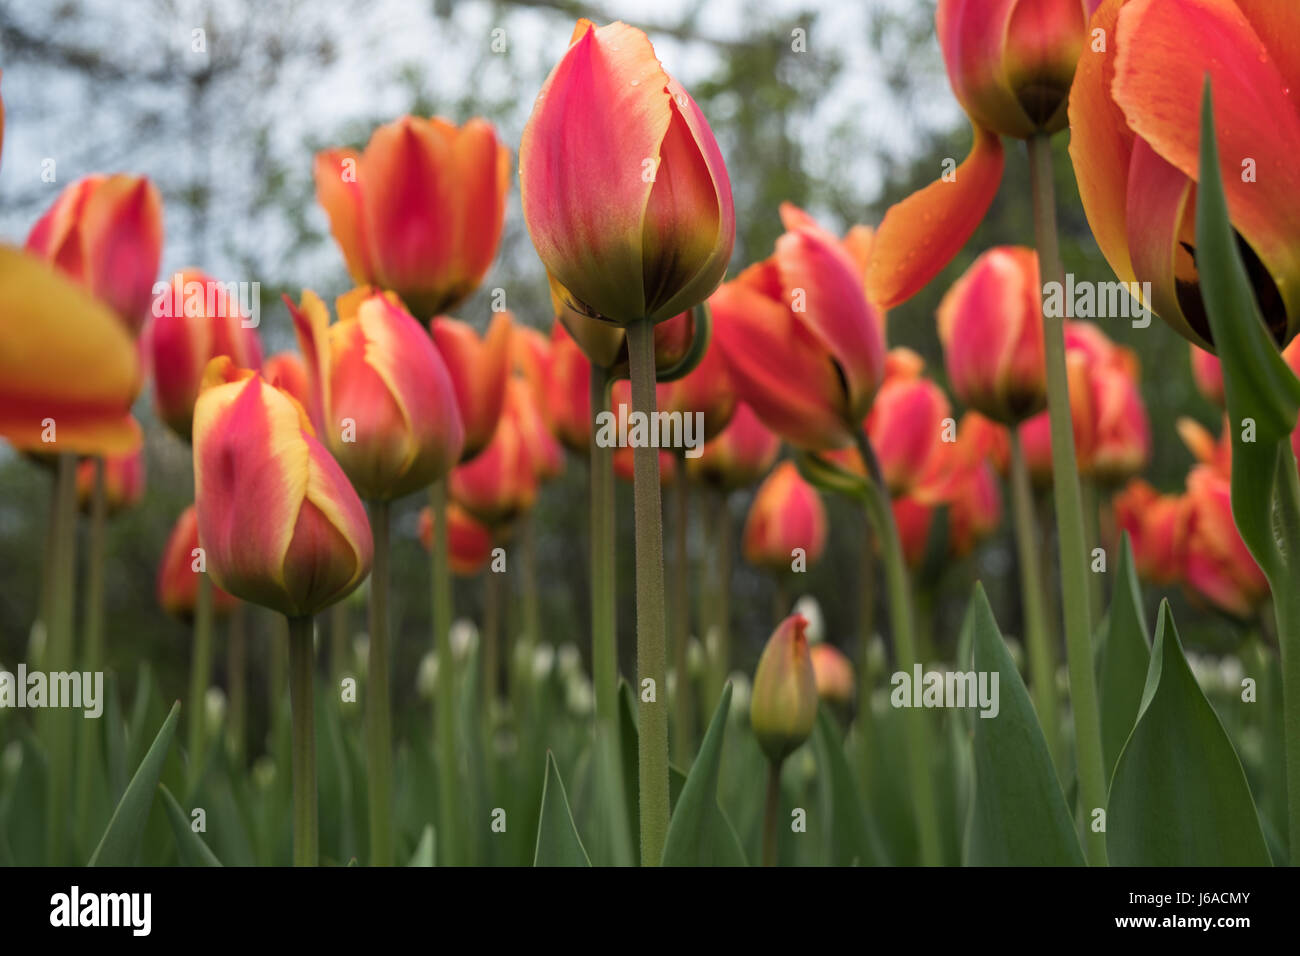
point(921, 234)
point(122, 232)
point(338, 190)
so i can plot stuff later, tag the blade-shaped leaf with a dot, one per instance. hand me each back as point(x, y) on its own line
point(423, 855)
point(853, 841)
point(1125, 657)
point(189, 845)
point(121, 839)
point(1179, 796)
point(1018, 813)
point(558, 843)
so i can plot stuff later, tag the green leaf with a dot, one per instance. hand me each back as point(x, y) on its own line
point(189, 845)
point(558, 843)
point(1125, 657)
point(1018, 814)
point(698, 833)
point(853, 841)
point(121, 840)
point(1179, 796)
point(423, 855)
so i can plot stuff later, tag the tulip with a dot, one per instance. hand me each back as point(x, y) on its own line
point(420, 210)
point(915, 519)
point(907, 423)
point(642, 227)
point(387, 405)
point(833, 674)
point(739, 456)
point(1135, 143)
point(182, 564)
point(568, 393)
point(545, 453)
point(1207, 375)
point(705, 390)
point(1157, 527)
point(1205, 448)
point(606, 345)
point(479, 369)
point(974, 509)
point(787, 514)
point(992, 333)
point(184, 338)
point(106, 232)
point(286, 371)
point(805, 348)
point(500, 484)
point(1219, 567)
point(470, 541)
point(123, 482)
point(530, 359)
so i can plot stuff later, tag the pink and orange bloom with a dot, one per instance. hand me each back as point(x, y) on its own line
point(179, 570)
point(832, 674)
point(469, 541)
point(479, 368)
point(742, 454)
point(1157, 527)
point(123, 481)
point(1219, 565)
point(783, 703)
point(787, 514)
point(500, 483)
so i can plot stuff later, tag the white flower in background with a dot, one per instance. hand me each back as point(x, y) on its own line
point(264, 773)
point(569, 658)
point(361, 653)
point(463, 635)
point(695, 659)
point(543, 661)
point(812, 613)
point(579, 696)
point(1231, 673)
point(426, 678)
point(214, 707)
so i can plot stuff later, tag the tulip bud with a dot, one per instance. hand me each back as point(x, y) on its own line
point(706, 389)
point(500, 483)
point(106, 232)
point(478, 369)
point(783, 703)
point(907, 423)
point(277, 518)
point(469, 542)
point(387, 405)
point(1219, 568)
point(740, 455)
point(568, 392)
point(787, 513)
point(833, 674)
point(178, 579)
point(123, 481)
point(624, 190)
point(186, 335)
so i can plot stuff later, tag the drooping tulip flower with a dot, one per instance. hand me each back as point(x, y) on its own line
point(990, 324)
point(69, 370)
point(787, 514)
point(805, 348)
point(500, 483)
point(568, 392)
point(469, 542)
point(279, 522)
point(742, 454)
point(286, 371)
point(388, 409)
point(420, 210)
point(106, 232)
point(123, 481)
point(1010, 64)
point(1208, 375)
point(783, 702)
point(1219, 566)
point(479, 368)
point(179, 570)
point(1135, 141)
point(705, 390)
point(1157, 527)
point(194, 322)
point(643, 226)
point(832, 674)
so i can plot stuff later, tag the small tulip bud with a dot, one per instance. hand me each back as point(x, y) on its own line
point(783, 705)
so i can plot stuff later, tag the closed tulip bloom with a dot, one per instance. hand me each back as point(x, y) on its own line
point(194, 322)
point(914, 519)
point(500, 483)
point(832, 673)
point(469, 542)
point(286, 371)
point(123, 481)
point(1157, 527)
point(805, 348)
point(69, 369)
point(1219, 565)
point(742, 454)
point(1135, 142)
point(706, 390)
point(1208, 375)
point(278, 519)
point(387, 405)
point(478, 368)
point(568, 392)
point(783, 702)
point(974, 508)
point(178, 573)
point(787, 513)
point(420, 210)
point(990, 324)
point(544, 451)
point(530, 359)
point(106, 232)
point(1122, 437)
point(605, 344)
point(625, 193)
point(907, 422)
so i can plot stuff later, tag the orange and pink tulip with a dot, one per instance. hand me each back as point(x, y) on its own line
point(787, 514)
point(469, 541)
point(123, 481)
point(742, 454)
point(479, 368)
point(1157, 527)
point(178, 573)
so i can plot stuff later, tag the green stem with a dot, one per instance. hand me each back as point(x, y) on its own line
point(1042, 656)
point(340, 653)
point(200, 675)
point(532, 602)
point(1286, 608)
point(58, 653)
point(236, 680)
point(683, 716)
point(491, 642)
point(88, 749)
point(445, 696)
point(604, 628)
point(1091, 540)
point(379, 734)
point(719, 548)
point(301, 659)
point(1069, 511)
point(904, 633)
point(771, 810)
point(651, 656)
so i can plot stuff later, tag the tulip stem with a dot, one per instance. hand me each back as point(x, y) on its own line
point(683, 718)
point(771, 810)
point(1042, 656)
point(1286, 608)
point(491, 643)
point(200, 675)
point(1069, 511)
point(445, 693)
point(237, 682)
point(302, 703)
point(532, 606)
point(881, 515)
point(379, 733)
point(604, 628)
point(720, 551)
point(651, 652)
point(57, 656)
point(88, 754)
point(339, 651)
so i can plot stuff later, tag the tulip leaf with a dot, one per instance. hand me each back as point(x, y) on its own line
point(1125, 658)
point(558, 843)
point(424, 850)
point(852, 839)
point(1179, 796)
point(698, 833)
point(189, 845)
point(121, 840)
point(1018, 814)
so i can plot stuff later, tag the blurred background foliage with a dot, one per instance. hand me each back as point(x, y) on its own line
point(856, 121)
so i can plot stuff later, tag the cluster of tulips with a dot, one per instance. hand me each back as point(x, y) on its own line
point(298, 457)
